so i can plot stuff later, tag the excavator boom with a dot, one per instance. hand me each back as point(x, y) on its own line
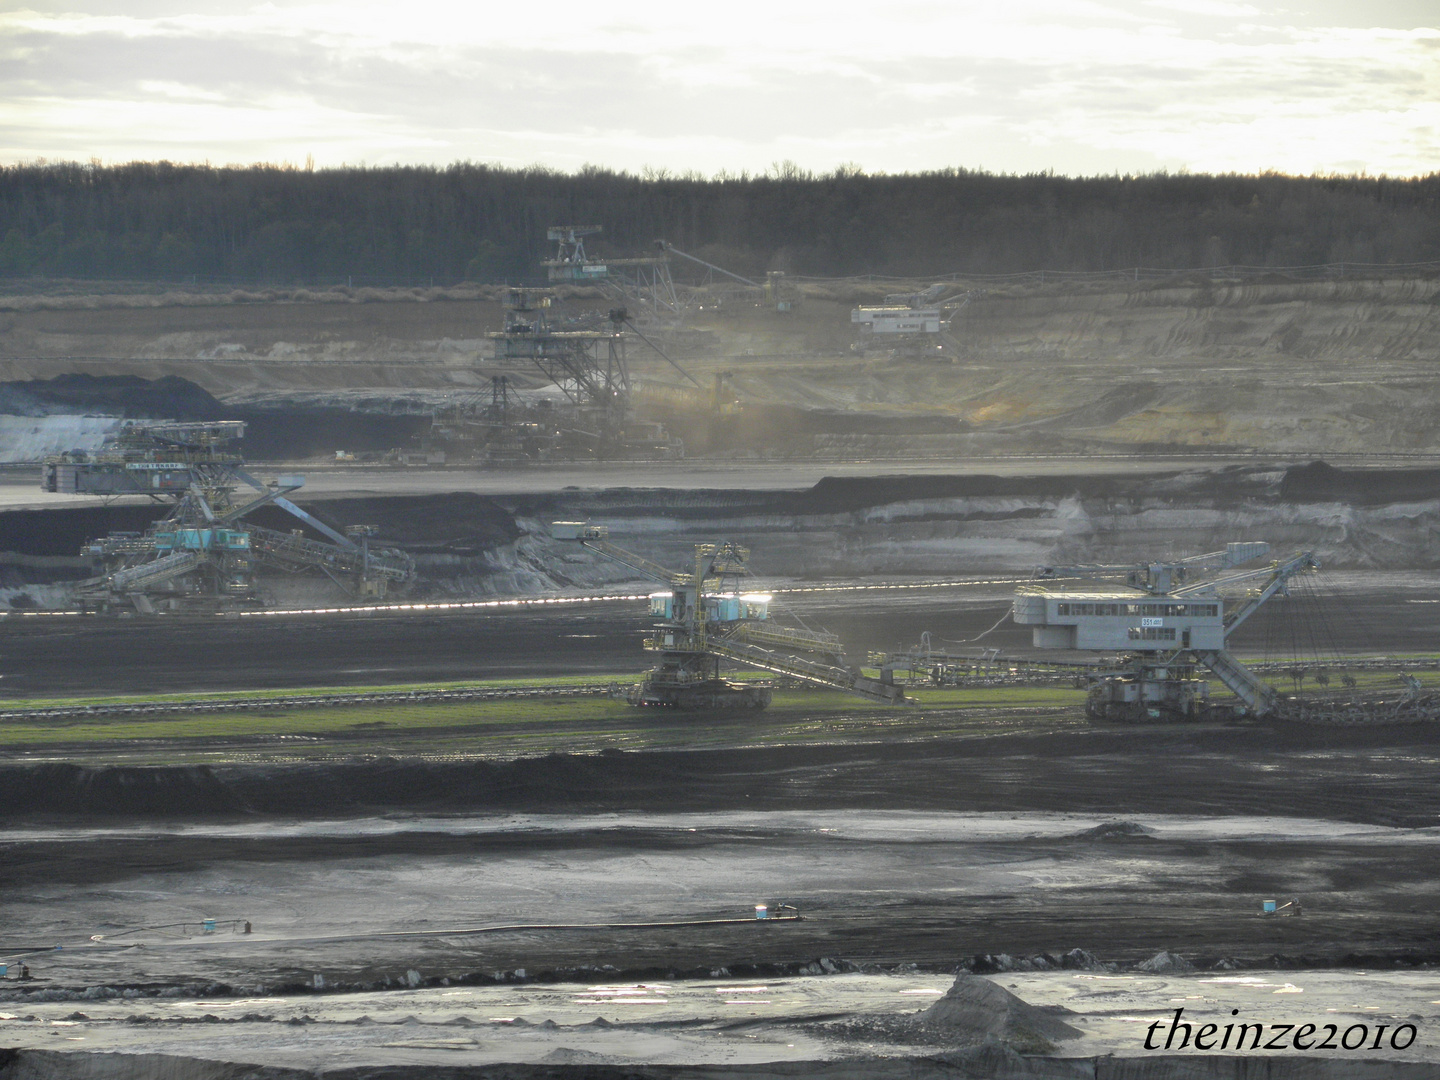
point(704, 623)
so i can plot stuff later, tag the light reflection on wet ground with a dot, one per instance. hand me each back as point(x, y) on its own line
point(693, 1021)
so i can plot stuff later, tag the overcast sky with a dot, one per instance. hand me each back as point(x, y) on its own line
point(1082, 87)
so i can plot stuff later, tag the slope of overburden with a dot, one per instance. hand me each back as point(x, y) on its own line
point(1304, 367)
point(1300, 367)
point(897, 525)
point(468, 545)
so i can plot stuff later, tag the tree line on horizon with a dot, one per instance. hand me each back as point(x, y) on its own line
point(158, 221)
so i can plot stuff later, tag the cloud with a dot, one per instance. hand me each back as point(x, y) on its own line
point(1214, 8)
point(1080, 86)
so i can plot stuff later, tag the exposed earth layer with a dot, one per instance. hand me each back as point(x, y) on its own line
point(1292, 367)
point(937, 526)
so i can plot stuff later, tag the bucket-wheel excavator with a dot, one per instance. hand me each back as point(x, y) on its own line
point(702, 618)
point(202, 554)
point(1168, 620)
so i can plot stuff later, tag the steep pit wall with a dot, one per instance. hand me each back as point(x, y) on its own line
point(1300, 367)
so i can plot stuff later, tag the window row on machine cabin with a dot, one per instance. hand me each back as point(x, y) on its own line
point(1171, 610)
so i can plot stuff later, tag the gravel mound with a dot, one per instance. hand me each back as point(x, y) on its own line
point(975, 1009)
point(1115, 830)
point(1165, 963)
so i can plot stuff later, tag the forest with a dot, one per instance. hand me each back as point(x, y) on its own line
point(163, 222)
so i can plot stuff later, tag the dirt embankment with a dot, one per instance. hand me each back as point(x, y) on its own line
point(63, 413)
point(1169, 771)
point(1314, 321)
point(1298, 367)
point(931, 526)
point(469, 545)
point(258, 343)
point(1305, 367)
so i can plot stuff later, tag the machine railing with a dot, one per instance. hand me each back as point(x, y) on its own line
point(784, 635)
point(810, 671)
point(296, 551)
point(153, 573)
point(650, 569)
point(119, 545)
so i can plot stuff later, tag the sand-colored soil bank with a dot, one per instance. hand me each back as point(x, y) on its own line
point(1300, 367)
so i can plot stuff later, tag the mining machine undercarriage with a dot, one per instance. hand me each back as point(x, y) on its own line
point(1169, 621)
point(702, 619)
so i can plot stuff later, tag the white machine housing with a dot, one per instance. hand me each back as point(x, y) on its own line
point(898, 320)
point(1120, 621)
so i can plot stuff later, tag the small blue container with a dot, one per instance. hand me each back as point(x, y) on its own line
point(208, 926)
point(1268, 907)
point(762, 911)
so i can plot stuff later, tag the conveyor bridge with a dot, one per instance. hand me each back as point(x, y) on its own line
point(811, 671)
point(294, 551)
point(148, 575)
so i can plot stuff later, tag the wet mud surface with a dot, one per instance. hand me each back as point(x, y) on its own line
point(1364, 612)
point(842, 1025)
point(935, 843)
point(926, 851)
point(362, 901)
point(409, 941)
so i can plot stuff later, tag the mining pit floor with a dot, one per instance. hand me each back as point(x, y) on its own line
point(444, 897)
point(561, 889)
point(753, 1027)
point(1363, 611)
point(418, 942)
point(568, 904)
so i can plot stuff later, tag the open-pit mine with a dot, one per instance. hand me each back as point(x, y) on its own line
point(373, 703)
